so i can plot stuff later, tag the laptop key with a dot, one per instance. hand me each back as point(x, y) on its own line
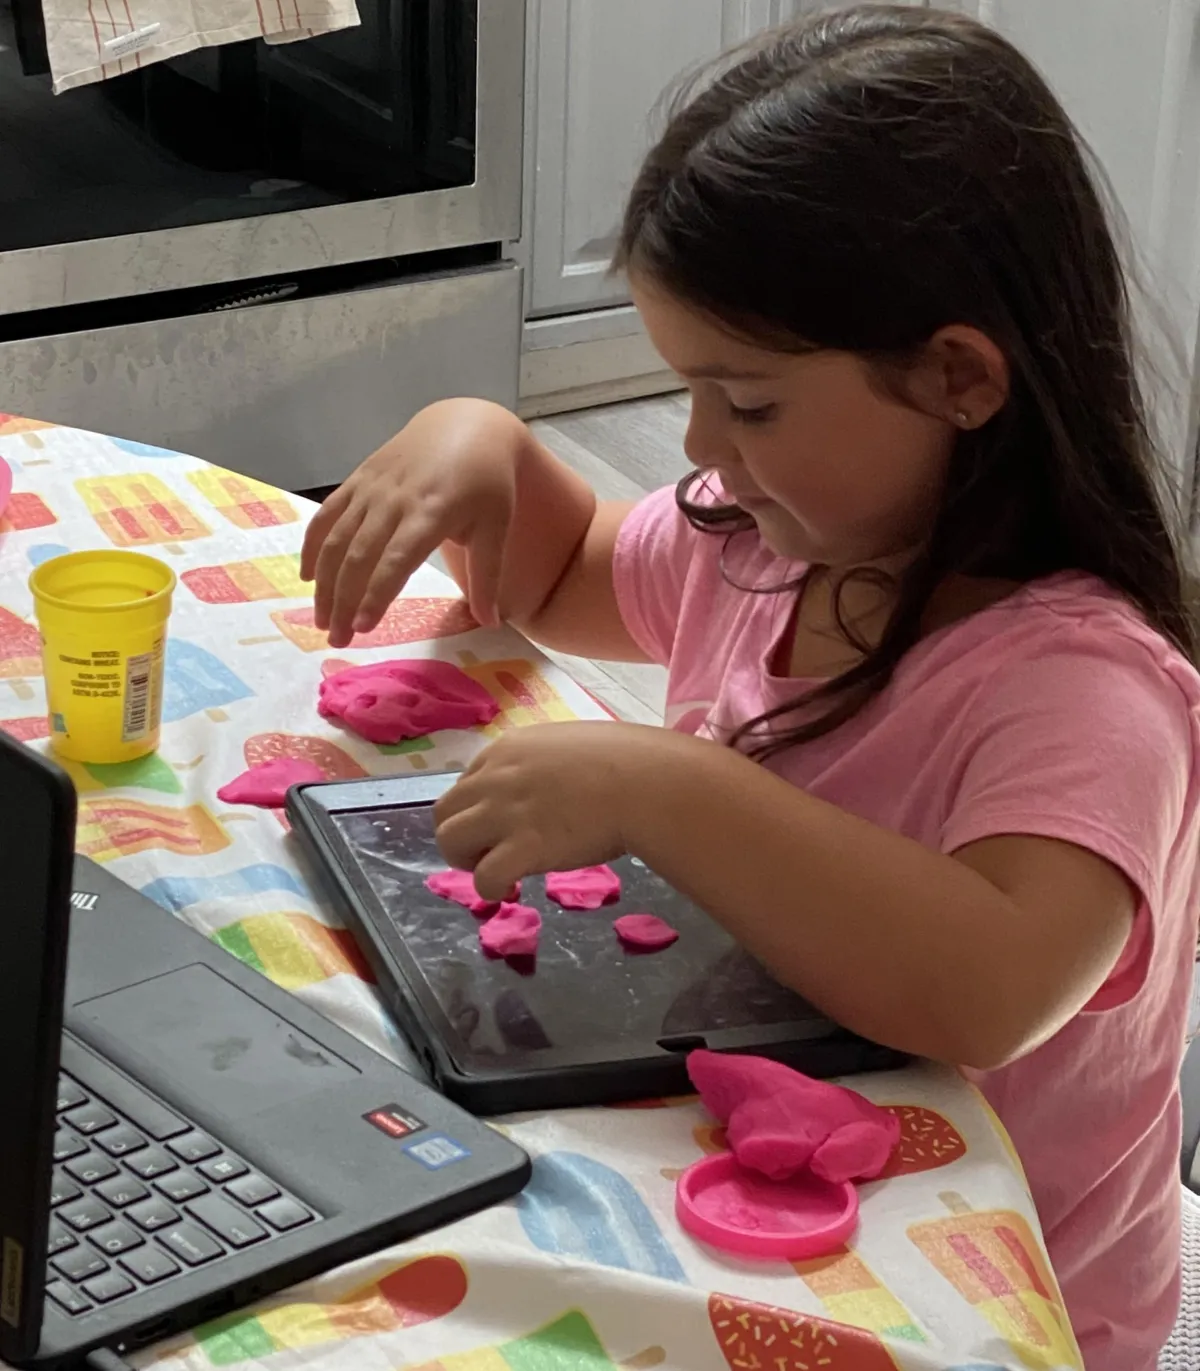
point(151, 1163)
point(181, 1185)
point(66, 1297)
point(111, 1286)
point(122, 1190)
point(79, 1263)
point(149, 1264)
point(60, 1239)
point(223, 1168)
point(90, 1118)
point(252, 1189)
point(69, 1094)
point(90, 1168)
point(143, 1111)
point(284, 1214)
point(115, 1238)
point(119, 1142)
point(67, 1145)
point(84, 1214)
point(190, 1243)
point(226, 1221)
point(194, 1147)
point(153, 1214)
point(62, 1188)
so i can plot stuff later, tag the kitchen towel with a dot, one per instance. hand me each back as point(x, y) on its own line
point(91, 40)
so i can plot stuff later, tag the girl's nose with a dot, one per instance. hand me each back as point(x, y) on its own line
point(703, 443)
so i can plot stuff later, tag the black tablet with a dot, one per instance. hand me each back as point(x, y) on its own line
point(588, 1022)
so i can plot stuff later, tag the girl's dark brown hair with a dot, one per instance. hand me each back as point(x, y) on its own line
point(861, 179)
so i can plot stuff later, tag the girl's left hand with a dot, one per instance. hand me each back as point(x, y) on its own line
point(545, 798)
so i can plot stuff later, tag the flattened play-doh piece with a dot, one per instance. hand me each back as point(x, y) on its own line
point(459, 886)
point(266, 785)
point(589, 887)
point(511, 932)
point(388, 702)
point(645, 932)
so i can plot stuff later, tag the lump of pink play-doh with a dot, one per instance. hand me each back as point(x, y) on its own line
point(587, 888)
point(459, 886)
point(646, 932)
point(387, 702)
point(267, 784)
point(780, 1122)
point(512, 931)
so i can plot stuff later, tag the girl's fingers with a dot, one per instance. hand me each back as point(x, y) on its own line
point(404, 554)
point(357, 567)
point(329, 561)
point(485, 566)
point(499, 869)
point(318, 530)
point(465, 837)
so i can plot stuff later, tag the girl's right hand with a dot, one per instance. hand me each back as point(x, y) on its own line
point(449, 476)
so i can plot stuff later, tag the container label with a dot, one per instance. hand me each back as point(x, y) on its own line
point(139, 672)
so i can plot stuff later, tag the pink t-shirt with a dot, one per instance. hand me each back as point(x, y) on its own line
point(1056, 712)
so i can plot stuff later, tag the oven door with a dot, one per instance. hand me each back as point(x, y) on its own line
point(400, 137)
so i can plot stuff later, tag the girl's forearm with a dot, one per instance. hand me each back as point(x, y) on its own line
point(554, 509)
point(901, 944)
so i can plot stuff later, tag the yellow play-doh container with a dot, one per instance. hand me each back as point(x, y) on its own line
point(103, 619)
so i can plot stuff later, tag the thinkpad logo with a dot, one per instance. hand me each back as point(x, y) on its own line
point(82, 900)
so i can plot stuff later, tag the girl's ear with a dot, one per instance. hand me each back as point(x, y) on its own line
point(961, 375)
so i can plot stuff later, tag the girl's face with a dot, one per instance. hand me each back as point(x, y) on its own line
point(831, 468)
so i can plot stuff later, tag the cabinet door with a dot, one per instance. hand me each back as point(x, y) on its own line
point(1129, 76)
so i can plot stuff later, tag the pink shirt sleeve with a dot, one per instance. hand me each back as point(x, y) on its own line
point(1090, 742)
point(653, 556)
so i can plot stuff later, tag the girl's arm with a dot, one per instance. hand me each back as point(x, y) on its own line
point(972, 959)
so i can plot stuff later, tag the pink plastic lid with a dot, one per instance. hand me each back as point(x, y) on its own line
point(741, 1211)
point(5, 484)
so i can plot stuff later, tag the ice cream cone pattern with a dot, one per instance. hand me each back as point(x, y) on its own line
point(993, 1260)
point(117, 827)
point(335, 762)
point(756, 1337)
point(145, 773)
point(28, 729)
point(853, 1294)
point(245, 502)
point(237, 583)
point(293, 949)
point(20, 647)
point(417, 1292)
point(26, 510)
point(14, 423)
point(569, 1343)
point(523, 693)
point(419, 619)
point(139, 510)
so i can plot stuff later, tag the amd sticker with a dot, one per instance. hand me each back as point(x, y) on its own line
point(394, 1121)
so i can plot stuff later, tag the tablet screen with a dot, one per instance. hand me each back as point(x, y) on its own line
point(585, 994)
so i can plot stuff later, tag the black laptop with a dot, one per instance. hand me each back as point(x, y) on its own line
point(178, 1136)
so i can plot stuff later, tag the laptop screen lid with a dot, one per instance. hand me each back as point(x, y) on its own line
point(37, 833)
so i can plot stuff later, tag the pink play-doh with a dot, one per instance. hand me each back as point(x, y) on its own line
point(459, 886)
point(780, 1122)
point(268, 783)
point(645, 932)
point(387, 702)
point(511, 932)
point(588, 887)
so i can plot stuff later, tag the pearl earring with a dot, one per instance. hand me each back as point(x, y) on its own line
point(961, 417)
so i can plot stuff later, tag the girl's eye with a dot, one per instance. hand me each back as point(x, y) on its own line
point(759, 414)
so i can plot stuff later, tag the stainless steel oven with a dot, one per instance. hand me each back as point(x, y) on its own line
point(268, 255)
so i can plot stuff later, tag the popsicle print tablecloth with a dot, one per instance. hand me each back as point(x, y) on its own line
point(587, 1270)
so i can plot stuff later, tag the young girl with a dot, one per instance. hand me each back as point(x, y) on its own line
point(933, 743)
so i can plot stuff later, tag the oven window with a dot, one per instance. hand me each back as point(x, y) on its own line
point(240, 131)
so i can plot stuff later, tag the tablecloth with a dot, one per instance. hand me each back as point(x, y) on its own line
point(587, 1270)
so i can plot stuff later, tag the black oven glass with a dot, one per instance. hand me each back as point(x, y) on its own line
point(238, 131)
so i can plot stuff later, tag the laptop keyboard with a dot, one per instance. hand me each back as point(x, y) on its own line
point(141, 1196)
